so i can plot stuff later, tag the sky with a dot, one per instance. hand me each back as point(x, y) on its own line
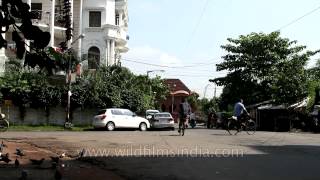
point(182, 38)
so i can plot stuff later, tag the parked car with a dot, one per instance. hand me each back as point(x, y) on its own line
point(119, 118)
point(162, 120)
point(151, 112)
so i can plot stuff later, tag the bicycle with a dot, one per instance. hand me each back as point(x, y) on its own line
point(4, 124)
point(182, 125)
point(236, 125)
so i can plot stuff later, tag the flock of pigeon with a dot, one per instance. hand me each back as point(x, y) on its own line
point(55, 161)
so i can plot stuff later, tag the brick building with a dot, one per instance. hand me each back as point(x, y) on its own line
point(178, 90)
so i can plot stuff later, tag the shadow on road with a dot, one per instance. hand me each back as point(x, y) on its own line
point(104, 129)
point(226, 134)
point(270, 162)
point(171, 135)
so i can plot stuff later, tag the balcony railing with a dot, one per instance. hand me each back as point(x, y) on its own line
point(43, 18)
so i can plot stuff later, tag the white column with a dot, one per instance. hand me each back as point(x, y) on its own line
point(29, 3)
point(52, 15)
point(112, 52)
point(80, 30)
point(3, 57)
point(71, 20)
point(120, 19)
point(71, 1)
point(108, 53)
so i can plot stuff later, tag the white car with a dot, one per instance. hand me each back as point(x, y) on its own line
point(162, 120)
point(151, 112)
point(119, 118)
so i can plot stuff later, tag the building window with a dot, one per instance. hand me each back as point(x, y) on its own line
point(93, 57)
point(94, 19)
point(36, 9)
point(117, 19)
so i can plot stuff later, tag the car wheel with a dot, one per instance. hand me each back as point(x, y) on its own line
point(172, 129)
point(110, 126)
point(143, 126)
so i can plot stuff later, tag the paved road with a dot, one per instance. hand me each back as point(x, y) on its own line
point(200, 154)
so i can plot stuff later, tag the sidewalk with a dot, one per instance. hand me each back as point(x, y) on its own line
point(69, 168)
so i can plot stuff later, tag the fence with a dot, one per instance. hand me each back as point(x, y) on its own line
point(38, 116)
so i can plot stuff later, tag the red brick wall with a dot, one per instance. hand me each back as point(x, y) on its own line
point(168, 104)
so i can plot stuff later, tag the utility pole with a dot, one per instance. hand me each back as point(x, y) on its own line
point(205, 90)
point(215, 91)
point(68, 123)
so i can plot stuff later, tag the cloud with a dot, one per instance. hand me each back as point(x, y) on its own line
point(151, 55)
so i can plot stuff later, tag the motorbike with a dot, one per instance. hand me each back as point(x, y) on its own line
point(315, 125)
point(192, 120)
point(4, 124)
point(193, 123)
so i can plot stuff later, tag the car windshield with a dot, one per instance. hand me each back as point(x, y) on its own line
point(151, 112)
point(102, 111)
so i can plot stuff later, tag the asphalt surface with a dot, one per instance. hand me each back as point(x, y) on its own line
point(200, 154)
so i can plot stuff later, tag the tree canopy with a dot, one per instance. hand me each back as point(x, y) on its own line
point(16, 15)
point(263, 67)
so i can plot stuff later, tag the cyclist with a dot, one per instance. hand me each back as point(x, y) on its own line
point(240, 111)
point(184, 112)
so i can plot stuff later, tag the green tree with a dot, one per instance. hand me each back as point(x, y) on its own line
point(313, 76)
point(263, 67)
point(209, 105)
point(160, 91)
point(193, 100)
point(25, 86)
point(16, 15)
point(16, 87)
point(111, 86)
point(115, 86)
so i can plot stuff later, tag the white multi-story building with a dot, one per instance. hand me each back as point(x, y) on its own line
point(103, 22)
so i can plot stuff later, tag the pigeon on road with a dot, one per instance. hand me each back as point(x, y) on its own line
point(55, 159)
point(5, 158)
point(3, 145)
point(62, 155)
point(19, 152)
point(16, 163)
point(37, 162)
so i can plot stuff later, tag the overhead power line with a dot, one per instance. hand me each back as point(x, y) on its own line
point(182, 70)
point(299, 18)
point(197, 25)
point(188, 75)
point(201, 61)
point(166, 66)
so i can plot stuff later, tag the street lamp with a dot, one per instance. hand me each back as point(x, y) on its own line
point(81, 36)
point(206, 88)
point(172, 88)
point(156, 70)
